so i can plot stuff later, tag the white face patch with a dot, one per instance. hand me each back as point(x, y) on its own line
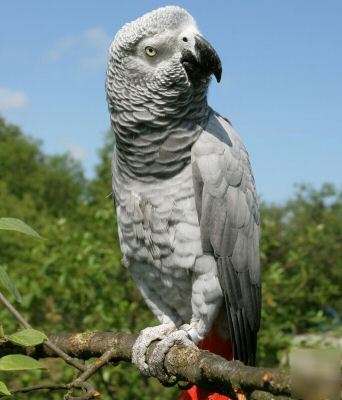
point(161, 51)
point(187, 36)
point(150, 48)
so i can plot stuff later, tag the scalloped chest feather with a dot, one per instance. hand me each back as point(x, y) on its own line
point(158, 222)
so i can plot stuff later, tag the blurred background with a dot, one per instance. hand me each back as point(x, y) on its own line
point(282, 90)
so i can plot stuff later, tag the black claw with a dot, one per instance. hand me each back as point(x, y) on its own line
point(185, 386)
point(169, 382)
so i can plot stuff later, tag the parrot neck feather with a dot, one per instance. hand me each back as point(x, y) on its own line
point(155, 126)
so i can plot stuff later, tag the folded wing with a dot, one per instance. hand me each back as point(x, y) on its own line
point(229, 219)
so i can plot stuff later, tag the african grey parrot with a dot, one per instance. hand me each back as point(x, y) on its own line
point(184, 191)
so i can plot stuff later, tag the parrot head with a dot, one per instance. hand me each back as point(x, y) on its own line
point(159, 70)
point(163, 49)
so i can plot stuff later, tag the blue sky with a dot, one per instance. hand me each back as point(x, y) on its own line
point(281, 86)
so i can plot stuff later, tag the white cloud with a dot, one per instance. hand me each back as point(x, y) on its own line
point(75, 150)
point(62, 47)
point(90, 47)
point(12, 100)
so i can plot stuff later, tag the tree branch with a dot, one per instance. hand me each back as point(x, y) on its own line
point(207, 370)
point(48, 343)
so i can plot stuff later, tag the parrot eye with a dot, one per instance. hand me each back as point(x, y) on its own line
point(150, 51)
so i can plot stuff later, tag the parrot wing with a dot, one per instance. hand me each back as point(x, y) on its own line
point(227, 208)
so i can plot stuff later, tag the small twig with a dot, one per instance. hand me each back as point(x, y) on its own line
point(14, 311)
point(99, 363)
point(90, 392)
point(69, 360)
point(48, 386)
point(80, 381)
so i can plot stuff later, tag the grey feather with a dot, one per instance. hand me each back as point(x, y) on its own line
point(215, 128)
point(229, 228)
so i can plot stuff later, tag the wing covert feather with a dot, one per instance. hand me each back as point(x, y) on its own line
point(228, 213)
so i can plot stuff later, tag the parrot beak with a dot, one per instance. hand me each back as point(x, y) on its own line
point(204, 62)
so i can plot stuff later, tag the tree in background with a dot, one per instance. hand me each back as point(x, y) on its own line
point(74, 280)
point(301, 259)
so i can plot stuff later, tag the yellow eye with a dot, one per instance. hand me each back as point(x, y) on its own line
point(150, 51)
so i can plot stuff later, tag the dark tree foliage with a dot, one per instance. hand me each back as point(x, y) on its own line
point(301, 260)
point(74, 281)
point(55, 183)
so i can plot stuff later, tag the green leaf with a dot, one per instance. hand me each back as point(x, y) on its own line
point(6, 283)
point(3, 390)
point(18, 362)
point(14, 224)
point(27, 338)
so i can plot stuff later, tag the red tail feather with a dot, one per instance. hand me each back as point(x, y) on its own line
point(216, 344)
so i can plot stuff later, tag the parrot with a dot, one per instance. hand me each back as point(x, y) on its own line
point(184, 193)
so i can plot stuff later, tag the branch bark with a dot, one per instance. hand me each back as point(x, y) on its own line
point(206, 370)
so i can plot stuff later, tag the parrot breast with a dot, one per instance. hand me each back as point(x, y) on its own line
point(160, 235)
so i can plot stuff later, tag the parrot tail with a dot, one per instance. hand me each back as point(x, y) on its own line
point(220, 346)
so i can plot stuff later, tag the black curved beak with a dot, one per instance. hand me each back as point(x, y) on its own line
point(204, 63)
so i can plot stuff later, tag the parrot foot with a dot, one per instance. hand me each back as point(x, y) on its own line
point(156, 363)
point(145, 338)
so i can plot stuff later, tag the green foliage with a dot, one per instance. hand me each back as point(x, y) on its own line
point(19, 362)
point(51, 184)
point(74, 281)
point(301, 259)
point(4, 390)
point(6, 283)
point(27, 338)
point(14, 224)
point(101, 186)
